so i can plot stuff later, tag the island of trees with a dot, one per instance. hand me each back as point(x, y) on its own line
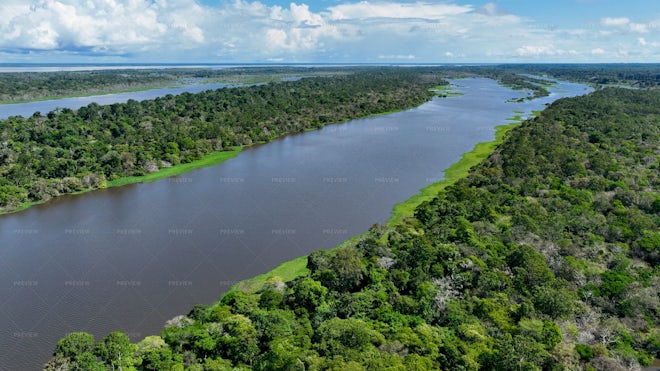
point(67, 151)
point(30, 86)
point(544, 258)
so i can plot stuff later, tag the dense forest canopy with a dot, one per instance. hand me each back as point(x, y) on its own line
point(544, 257)
point(26, 86)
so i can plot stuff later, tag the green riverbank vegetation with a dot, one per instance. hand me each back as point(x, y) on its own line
point(545, 257)
point(69, 151)
point(30, 86)
point(295, 268)
point(445, 91)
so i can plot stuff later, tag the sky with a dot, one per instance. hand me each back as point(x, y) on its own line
point(329, 31)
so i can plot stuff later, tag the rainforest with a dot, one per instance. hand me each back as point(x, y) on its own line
point(544, 256)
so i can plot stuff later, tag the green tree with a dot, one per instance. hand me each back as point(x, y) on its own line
point(238, 340)
point(117, 351)
point(270, 299)
point(529, 267)
point(78, 347)
point(308, 294)
point(349, 268)
point(346, 337)
point(155, 355)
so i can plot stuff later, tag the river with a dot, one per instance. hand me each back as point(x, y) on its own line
point(130, 258)
point(45, 106)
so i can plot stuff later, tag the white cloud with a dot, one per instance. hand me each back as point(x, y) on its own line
point(639, 27)
point(536, 50)
point(72, 24)
point(491, 9)
point(408, 57)
point(276, 39)
point(615, 22)
point(245, 30)
point(393, 10)
point(647, 46)
point(300, 14)
point(624, 24)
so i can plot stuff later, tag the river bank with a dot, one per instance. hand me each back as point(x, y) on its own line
point(215, 158)
point(212, 159)
point(298, 267)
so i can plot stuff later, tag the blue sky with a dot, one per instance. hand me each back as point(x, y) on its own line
point(332, 31)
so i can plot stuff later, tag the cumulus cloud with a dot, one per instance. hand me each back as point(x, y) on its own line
point(647, 45)
point(639, 27)
point(491, 9)
point(392, 10)
point(615, 22)
point(544, 50)
point(625, 24)
point(112, 26)
point(534, 50)
point(247, 31)
point(408, 57)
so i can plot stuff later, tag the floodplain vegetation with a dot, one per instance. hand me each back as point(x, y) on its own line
point(545, 257)
point(18, 87)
